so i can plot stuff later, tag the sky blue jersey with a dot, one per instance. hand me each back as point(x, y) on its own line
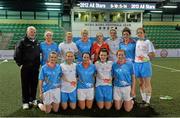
point(50, 77)
point(46, 49)
point(83, 47)
point(129, 50)
point(122, 74)
point(85, 76)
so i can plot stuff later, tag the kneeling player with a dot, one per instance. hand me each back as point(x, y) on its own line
point(124, 82)
point(85, 72)
point(69, 82)
point(103, 93)
point(49, 84)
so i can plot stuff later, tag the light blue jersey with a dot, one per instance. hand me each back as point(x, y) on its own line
point(129, 50)
point(83, 47)
point(85, 76)
point(46, 49)
point(122, 74)
point(50, 77)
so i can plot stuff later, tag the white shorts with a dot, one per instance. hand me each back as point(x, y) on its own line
point(122, 93)
point(52, 96)
point(85, 94)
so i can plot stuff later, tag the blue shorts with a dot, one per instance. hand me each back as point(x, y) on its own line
point(103, 93)
point(143, 70)
point(69, 97)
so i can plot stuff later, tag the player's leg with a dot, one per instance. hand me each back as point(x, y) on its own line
point(81, 98)
point(142, 89)
point(89, 97)
point(89, 104)
point(56, 93)
point(138, 74)
point(64, 100)
point(81, 104)
point(117, 98)
point(99, 97)
point(148, 89)
point(73, 99)
point(147, 73)
point(128, 102)
point(128, 105)
point(108, 96)
point(55, 107)
point(46, 106)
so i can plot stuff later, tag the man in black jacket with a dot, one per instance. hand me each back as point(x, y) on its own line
point(27, 57)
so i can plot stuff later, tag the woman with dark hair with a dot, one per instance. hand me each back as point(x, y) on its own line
point(103, 93)
point(85, 87)
point(128, 44)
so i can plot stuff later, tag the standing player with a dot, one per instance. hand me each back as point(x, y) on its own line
point(113, 43)
point(128, 45)
point(67, 45)
point(144, 53)
point(103, 93)
point(49, 84)
point(47, 46)
point(69, 82)
point(124, 82)
point(97, 46)
point(83, 45)
point(85, 72)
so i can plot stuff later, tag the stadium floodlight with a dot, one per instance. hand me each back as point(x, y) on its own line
point(53, 9)
point(49, 3)
point(1, 7)
point(170, 6)
point(156, 11)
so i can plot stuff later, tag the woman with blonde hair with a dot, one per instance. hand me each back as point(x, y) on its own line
point(48, 46)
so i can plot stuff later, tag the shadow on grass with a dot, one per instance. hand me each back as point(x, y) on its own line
point(136, 112)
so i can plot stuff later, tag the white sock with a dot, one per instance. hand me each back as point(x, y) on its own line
point(143, 95)
point(148, 97)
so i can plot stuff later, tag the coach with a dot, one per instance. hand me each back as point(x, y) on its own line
point(27, 57)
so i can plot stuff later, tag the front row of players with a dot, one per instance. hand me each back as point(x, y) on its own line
point(69, 82)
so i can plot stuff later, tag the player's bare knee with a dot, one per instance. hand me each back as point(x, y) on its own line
point(73, 107)
point(128, 109)
point(89, 106)
point(82, 107)
point(108, 107)
point(100, 106)
point(47, 110)
point(64, 107)
point(56, 110)
point(117, 108)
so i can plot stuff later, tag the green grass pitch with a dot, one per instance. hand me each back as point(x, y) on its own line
point(165, 81)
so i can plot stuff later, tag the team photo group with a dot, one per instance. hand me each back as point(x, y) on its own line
point(78, 74)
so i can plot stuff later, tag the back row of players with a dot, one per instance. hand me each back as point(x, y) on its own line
point(115, 61)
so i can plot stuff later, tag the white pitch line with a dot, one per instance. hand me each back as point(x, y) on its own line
point(172, 69)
